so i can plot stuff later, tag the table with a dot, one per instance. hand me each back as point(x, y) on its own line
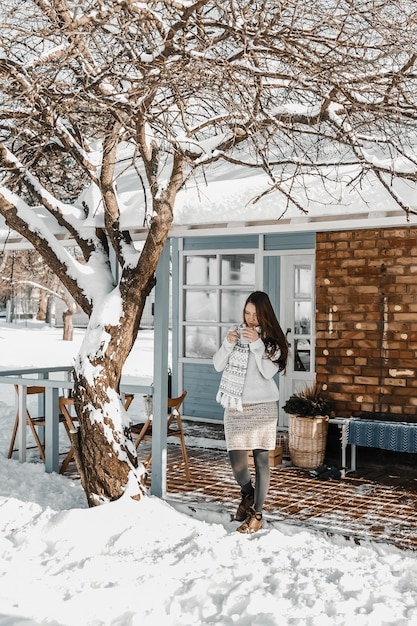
point(54, 387)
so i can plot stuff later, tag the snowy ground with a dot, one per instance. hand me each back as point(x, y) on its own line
point(148, 564)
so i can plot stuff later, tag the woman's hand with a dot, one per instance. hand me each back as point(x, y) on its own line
point(232, 335)
point(250, 334)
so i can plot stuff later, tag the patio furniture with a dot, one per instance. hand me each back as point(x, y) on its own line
point(34, 422)
point(55, 379)
point(143, 431)
point(343, 424)
point(71, 425)
point(386, 435)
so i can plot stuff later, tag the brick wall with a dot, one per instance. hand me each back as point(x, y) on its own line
point(366, 320)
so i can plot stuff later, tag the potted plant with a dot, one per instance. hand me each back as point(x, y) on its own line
point(308, 413)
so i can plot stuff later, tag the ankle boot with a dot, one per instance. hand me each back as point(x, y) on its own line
point(244, 505)
point(252, 523)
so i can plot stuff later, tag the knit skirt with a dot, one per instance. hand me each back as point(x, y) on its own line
point(254, 428)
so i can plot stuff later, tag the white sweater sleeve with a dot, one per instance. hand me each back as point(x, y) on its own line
point(222, 355)
point(266, 367)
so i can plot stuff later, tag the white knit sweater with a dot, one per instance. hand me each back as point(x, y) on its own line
point(259, 385)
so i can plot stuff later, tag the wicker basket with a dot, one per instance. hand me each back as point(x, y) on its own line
point(307, 438)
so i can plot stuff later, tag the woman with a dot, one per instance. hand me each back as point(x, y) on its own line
point(250, 356)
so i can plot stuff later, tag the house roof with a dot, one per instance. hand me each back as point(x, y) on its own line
point(241, 199)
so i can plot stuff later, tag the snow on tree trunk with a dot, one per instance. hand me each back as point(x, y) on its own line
point(107, 457)
point(107, 452)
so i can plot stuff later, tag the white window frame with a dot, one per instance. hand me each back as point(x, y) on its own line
point(217, 287)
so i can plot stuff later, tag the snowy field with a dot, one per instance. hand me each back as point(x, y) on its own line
point(145, 563)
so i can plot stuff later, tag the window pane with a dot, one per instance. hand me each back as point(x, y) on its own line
point(302, 355)
point(200, 341)
point(302, 318)
point(200, 270)
point(200, 306)
point(232, 303)
point(238, 269)
point(303, 282)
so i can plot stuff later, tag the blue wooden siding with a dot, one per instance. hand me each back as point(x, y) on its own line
point(290, 241)
point(231, 242)
point(201, 382)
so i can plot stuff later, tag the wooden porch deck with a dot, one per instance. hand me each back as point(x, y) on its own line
point(373, 504)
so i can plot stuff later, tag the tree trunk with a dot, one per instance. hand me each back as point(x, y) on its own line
point(50, 310)
point(107, 452)
point(109, 459)
point(43, 305)
point(68, 332)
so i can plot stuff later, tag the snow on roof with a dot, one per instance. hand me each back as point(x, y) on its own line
point(225, 196)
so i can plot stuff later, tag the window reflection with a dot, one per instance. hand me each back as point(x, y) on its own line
point(303, 281)
point(237, 268)
point(200, 305)
point(302, 355)
point(232, 306)
point(302, 318)
point(200, 270)
point(200, 341)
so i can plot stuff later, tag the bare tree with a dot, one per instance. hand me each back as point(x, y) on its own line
point(93, 89)
point(57, 292)
point(22, 274)
point(26, 269)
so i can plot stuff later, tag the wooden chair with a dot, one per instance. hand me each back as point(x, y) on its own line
point(128, 400)
point(71, 423)
point(32, 422)
point(143, 431)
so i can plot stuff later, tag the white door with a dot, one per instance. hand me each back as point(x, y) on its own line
point(297, 320)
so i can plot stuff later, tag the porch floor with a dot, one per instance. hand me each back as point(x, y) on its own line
point(374, 503)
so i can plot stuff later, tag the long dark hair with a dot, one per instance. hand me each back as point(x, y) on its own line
point(276, 345)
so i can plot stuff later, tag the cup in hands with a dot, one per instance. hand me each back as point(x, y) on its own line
point(242, 340)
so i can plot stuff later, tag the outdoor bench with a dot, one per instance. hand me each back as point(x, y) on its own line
point(386, 435)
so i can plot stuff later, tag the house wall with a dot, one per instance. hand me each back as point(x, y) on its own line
point(366, 320)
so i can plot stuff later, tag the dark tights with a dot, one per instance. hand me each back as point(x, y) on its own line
point(239, 463)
